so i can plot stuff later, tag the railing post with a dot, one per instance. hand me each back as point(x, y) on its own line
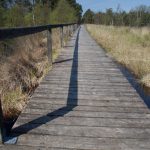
point(71, 30)
point(61, 36)
point(49, 46)
point(2, 130)
point(75, 27)
point(68, 31)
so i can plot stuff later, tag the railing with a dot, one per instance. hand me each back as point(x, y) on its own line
point(8, 33)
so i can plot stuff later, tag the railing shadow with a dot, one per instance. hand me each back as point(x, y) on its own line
point(69, 46)
point(62, 61)
point(131, 79)
point(61, 111)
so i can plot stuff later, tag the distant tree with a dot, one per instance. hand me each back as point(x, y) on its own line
point(88, 17)
point(97, 18)
point(78, 9)
point(140, 16)
point(15, 16)
point(63, 13)
point(109, 17)
point(37, 12)
point(2, 16)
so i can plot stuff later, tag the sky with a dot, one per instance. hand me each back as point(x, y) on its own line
point(102, 5)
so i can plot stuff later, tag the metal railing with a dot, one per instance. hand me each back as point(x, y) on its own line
point(9, 33)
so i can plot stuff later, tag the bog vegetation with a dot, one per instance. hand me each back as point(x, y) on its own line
point(128, 45)
point(23, 60)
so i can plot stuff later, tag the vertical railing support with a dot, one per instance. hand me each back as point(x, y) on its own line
point(67, 31)
point(1, 125)
point(49, 46)
point(75, 27)
point(61, 36)
point(71, 30)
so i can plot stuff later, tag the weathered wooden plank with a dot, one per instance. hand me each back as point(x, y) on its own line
point(83, 143)
point(98, 93)
point(33, 110)
point(108, 95)
point(47, 87)
point(108, 99)
point(80, 131)
point(84, 114)
point(35, 105)
point(23, 147)
point(86, 102)
point(90, 122)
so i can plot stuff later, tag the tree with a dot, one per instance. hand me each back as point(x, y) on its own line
point(109, 17)
point(2, 18)
point(15, 16)
point(140, 16)
point(79, 11)
point(36, 12)
point(88, 17)
point(63, 13)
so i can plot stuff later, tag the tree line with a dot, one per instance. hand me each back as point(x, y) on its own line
point(14, 13)
point(139, 16)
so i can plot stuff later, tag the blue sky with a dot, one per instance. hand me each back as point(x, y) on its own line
point(102, 5)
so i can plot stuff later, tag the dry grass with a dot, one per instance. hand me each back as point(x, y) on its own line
point(129, 46)
point(23, 63)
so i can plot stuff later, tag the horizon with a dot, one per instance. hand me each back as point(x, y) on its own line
point(97, 5)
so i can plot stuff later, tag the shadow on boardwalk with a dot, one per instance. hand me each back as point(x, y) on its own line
point(61, 111)
point(139, 89)
point(61, 61)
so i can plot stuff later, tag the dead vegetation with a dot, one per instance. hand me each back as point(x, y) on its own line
point(129, 46)
point(23, 63)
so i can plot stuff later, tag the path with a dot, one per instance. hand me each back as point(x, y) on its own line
point(84, 103)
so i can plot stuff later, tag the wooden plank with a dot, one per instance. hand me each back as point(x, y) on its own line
point(35, 105)
point(82, 131)
point(23, 147)
point(87, 102)
point(83, 143)
point(90, 122)
point(88, 114)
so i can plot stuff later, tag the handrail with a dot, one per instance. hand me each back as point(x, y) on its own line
point(21, 31)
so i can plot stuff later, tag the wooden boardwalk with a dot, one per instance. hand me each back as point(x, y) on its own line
point(84, 103)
